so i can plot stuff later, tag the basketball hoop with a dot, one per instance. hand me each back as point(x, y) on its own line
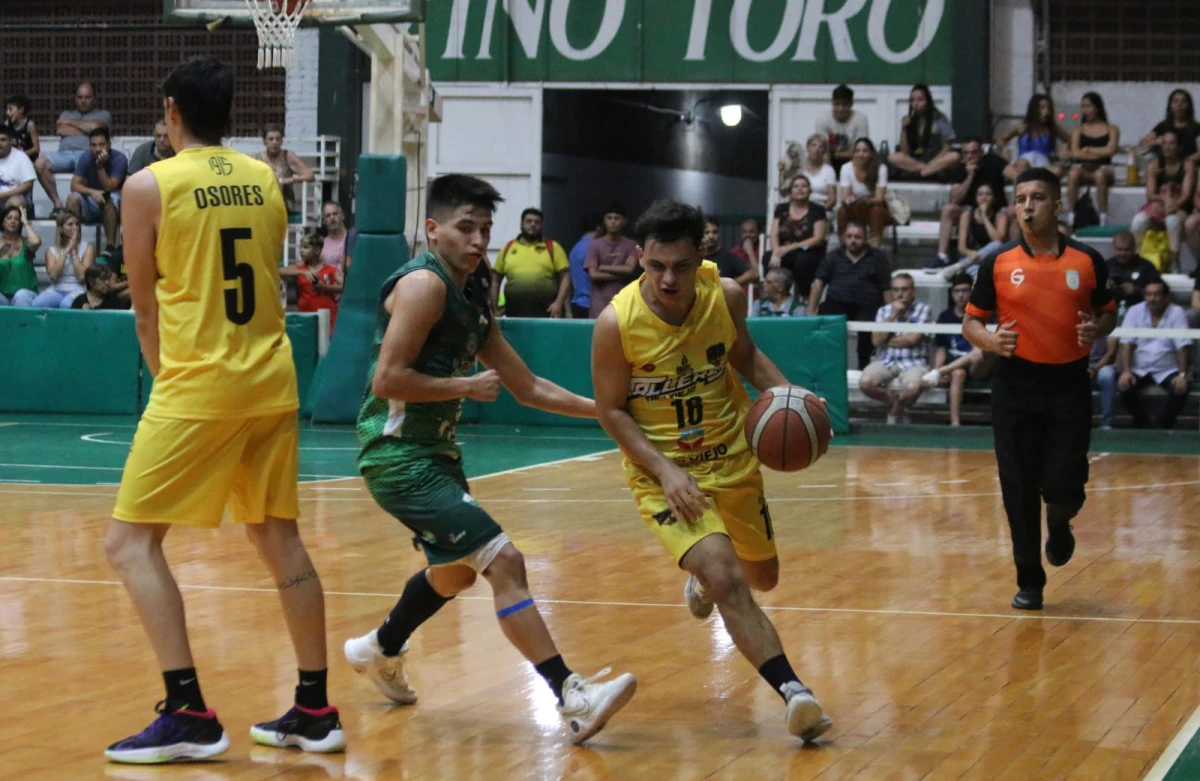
point(276, 22)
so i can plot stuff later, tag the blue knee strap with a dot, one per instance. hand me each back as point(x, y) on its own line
point(508, 611)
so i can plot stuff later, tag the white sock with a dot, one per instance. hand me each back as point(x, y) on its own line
point(1070, 218)
point(1104, 218)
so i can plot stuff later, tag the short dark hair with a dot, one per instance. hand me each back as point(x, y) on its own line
point(313, 237)
point(669, 220)
point(202, 88)
point(905, 275)
point(614, 208)
point(1158, 281)
point(447, 193)
point(711, 220)
point(94, 273)
point(1041, 175)
point(101, 130)
point(20, 101)
point(272, 127)
point(961, 279)
point(972, 140)
point(858, 224)
point(842, 92)
point(532, 210)
point(7, 131)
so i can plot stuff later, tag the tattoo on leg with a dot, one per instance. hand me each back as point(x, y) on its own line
point(296, 580)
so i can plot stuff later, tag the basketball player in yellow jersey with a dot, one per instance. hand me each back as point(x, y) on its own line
point(664, 354)
point(203, 234)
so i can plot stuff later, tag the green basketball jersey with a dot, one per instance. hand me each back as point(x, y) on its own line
point(392, 432)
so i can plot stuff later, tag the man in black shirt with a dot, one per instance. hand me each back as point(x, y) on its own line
point(859, 279)
point(975, 169)
point(1129, 271)
point(729, 265)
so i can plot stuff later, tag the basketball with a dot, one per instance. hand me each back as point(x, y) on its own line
point(788, 428)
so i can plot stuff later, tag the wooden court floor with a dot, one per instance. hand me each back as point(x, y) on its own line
point(893, 606)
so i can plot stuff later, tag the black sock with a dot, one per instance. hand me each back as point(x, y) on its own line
point(1060, 514)
point(311, 691)
point(777, 671)
point(417, 605)
point(183, 690)
point(555, 671)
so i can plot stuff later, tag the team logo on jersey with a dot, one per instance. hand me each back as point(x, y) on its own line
point(1017, 276)
point(1073, 279)
point(685, 380)
point(692, 439)
point(715, 353)
point(664, 518)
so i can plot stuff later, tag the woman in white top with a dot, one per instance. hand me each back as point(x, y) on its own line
point(66, 263)
point(820, 173)
point(863, 187)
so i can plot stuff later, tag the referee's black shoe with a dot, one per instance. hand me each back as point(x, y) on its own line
point(1027, 599)
point(1060, 543)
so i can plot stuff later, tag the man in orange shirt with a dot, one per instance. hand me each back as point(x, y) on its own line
point(1054, 299)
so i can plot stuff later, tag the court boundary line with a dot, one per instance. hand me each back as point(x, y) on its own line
point(671, 605)
point(1174, 750)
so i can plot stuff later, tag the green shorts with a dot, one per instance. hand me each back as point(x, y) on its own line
point(431, 497)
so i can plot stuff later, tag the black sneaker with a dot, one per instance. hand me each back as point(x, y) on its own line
point(1060, 543)
point(1027, 599)
point(318, 731)
point(175, 735)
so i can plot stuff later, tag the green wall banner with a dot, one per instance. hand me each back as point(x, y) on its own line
point(726, 41)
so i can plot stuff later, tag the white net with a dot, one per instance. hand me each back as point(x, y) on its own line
point(276, 22)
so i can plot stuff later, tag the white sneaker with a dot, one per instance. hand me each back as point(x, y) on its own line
point(588, 704)
point(697, 601)
point(387, 672)
point(805, 719)
point(931, 379)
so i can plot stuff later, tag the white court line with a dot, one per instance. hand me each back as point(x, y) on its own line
point(15, 480)
point(826, 485)
point(888, 485)
point(672, 605)
point(6, 425)
point(331, 488)
point(545, 489)
point(1160, 769)
point(952, 482)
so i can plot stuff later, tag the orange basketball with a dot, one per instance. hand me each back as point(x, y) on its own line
point(788, 428)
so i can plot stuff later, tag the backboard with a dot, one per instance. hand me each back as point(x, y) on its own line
point(318, 12)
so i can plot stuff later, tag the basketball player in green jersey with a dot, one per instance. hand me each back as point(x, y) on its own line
point(434, 322)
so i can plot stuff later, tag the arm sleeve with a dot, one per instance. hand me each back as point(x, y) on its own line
point(943, 340)
point(825, 270)
point(883, 273)
point(1102, 295)
point(983, 295)
point(862, 127)
point(1179, 320)
point(120, 166)
point(498, 266)
point(82, 164)
point(560, 258)
point(351, 240)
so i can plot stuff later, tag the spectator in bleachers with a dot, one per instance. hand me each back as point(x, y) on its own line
point(778, 298)
point(1037, 139)
point(1093, 145)
point(1103, 371)
point(925, 137)
point(288, 167)
point(612, 261)
point(16, 173)
point(955, 357)
point(903, 356)
point(841, 128)
point(19, 244)
point(1170, 182)
point(975, 170)
point(318, 284)
point(74, 129)
point(148, 152)
point(798, 237)
point(863, 187)
point(581, 283)
point(66, 263)
point(748, 250)
point(729, 264)
point(98, 291)
point(338, 249)
point(982, 231)
point(25, 132)
point(858, 278)
point(1181, 117)
point(96, 186)
point(535, 271)
point(1129, 272)
point(1155, 361)
point(822, 178)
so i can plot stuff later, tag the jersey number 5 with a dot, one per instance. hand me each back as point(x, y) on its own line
point(242, 273)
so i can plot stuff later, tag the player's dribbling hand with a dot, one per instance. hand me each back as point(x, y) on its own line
point(1085, 329)
point(1006, 339)
point(485, 386)
point(684, 499)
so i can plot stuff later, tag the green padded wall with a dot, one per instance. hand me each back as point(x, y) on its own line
point(380, 194)
point(70, 361)
point(810, 351)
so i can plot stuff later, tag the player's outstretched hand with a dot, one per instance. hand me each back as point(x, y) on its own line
point(683, 496)
point(485, 386)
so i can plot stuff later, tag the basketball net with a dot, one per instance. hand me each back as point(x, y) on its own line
point(276, 22)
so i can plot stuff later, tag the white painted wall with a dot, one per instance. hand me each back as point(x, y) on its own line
point(1014, 56)
point(1135, 107)
point(300, 118)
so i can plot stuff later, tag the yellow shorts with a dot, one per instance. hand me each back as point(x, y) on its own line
point(186, 471)
point(739, 509)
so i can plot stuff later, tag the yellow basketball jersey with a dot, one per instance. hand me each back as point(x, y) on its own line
point(683, 393)
point(223, 346)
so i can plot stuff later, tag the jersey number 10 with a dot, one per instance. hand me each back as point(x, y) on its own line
point(242, 273)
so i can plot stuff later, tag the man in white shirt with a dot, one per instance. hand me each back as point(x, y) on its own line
point(16, 173)
point(1157, 361)
point(843, 127)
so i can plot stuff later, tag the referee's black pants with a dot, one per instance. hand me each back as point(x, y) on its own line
point(1042, 432)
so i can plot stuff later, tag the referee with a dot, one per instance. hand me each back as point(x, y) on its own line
point(1053, 298)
